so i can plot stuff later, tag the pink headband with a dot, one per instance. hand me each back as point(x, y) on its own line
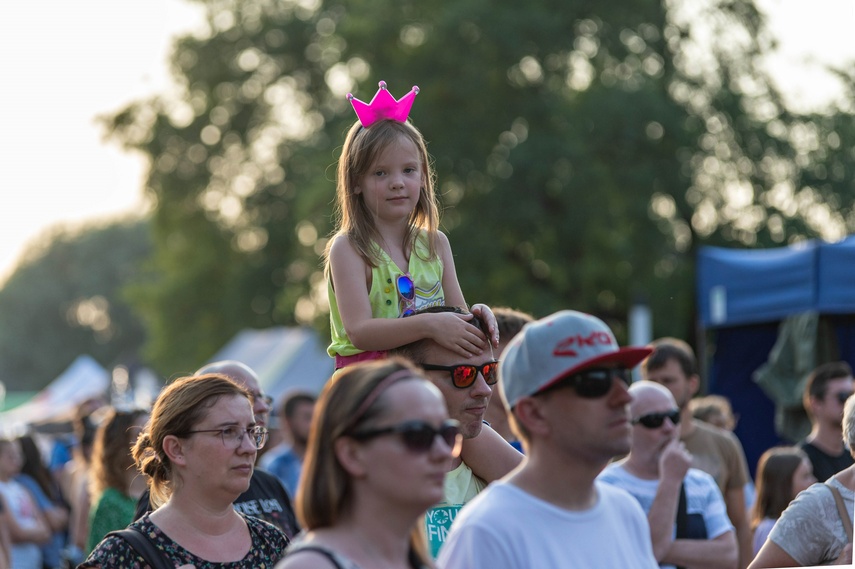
point(383, 106)
point(378, 390)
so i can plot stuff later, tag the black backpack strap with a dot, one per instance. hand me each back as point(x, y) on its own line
point(682, 515)
point(140, 543)
point(329, 554)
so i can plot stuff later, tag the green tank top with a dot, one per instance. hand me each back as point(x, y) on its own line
point(383, 296)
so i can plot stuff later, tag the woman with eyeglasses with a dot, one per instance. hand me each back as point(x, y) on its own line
point(378, 452)
point(198, 451)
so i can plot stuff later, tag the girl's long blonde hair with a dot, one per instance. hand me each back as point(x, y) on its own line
point(352, 217)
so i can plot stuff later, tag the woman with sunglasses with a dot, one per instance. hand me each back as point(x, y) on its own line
point(198, 451)
point(378, 452)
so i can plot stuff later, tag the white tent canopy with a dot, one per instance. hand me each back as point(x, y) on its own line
point(82, 380)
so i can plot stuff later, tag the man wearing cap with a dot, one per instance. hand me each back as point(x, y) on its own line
point(688, 520)
point(565, 381)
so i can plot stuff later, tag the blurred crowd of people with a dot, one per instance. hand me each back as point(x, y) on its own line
point(210, 476)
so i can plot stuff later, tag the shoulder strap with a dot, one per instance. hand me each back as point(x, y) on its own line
point(329, 554)
point(841, 511)
point(140, 543)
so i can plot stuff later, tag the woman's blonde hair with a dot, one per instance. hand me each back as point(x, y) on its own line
point(353, 220)
point(352, 400)
point(180, 406)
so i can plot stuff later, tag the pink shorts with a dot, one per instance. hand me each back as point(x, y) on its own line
point(344, 361)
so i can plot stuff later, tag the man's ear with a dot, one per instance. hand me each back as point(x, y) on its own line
point(174, 449)
point(529, 412)
point(694, 384)
point(813, 403)
point(350, 456)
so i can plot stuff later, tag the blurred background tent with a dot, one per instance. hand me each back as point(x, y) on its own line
point(772, 316)
point(83, 379)
point(285, 358)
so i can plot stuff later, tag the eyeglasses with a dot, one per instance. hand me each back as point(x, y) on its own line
point(594, 382)
point(407, 292)
point(233, 436)
point(464, 375)
point(656, 420)
point(842, 396)
point(418, 436)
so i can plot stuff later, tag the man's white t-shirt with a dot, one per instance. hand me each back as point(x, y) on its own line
point(505, 527)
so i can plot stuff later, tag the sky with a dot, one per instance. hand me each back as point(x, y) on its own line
point(65, 63)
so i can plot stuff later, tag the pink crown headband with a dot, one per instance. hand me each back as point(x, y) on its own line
point(383, 106)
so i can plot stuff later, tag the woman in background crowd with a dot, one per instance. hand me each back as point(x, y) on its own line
point(38, 479)
point(782, 472)
point(115, 485)
point(198, 451)
point(28, 529)
point(378, 452)
point(816, 528)
point(74, 477)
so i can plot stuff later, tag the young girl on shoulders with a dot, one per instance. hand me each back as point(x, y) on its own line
point(388, 257)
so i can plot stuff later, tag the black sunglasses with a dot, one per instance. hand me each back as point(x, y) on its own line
point(656, 420)
point(418, 436)
point(842, 396)
point(594, 382)
point(464, 375)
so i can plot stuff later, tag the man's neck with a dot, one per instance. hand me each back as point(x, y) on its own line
point(644, 469)
point(569, 485)
point(299, 449)
point(687, 423)
point(455, 462)
point(826, 439)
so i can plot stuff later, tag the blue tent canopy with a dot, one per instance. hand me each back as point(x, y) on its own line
point(737, 286)
point(744, 295)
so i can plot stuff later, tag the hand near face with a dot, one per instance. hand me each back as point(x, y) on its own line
point(674, 461)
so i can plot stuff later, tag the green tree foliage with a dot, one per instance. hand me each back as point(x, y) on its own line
point(65, 300)
point(583, 150)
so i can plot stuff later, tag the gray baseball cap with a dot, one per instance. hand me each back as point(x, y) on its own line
point(552, 348)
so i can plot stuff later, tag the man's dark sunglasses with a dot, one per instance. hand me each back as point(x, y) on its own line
point(594, 382)
point(418, 436)
point(464, 375)
point(656, 420)
point(842, 396)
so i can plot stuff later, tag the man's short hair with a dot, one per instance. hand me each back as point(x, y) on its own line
point(817, 382)
point(294, 400)
point(665, 349)
point(510, 321)
point(415, 351)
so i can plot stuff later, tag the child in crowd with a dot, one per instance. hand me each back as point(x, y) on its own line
point(782, 472)
point(388, 257)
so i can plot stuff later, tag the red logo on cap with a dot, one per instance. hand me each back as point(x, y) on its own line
point(566, 346)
